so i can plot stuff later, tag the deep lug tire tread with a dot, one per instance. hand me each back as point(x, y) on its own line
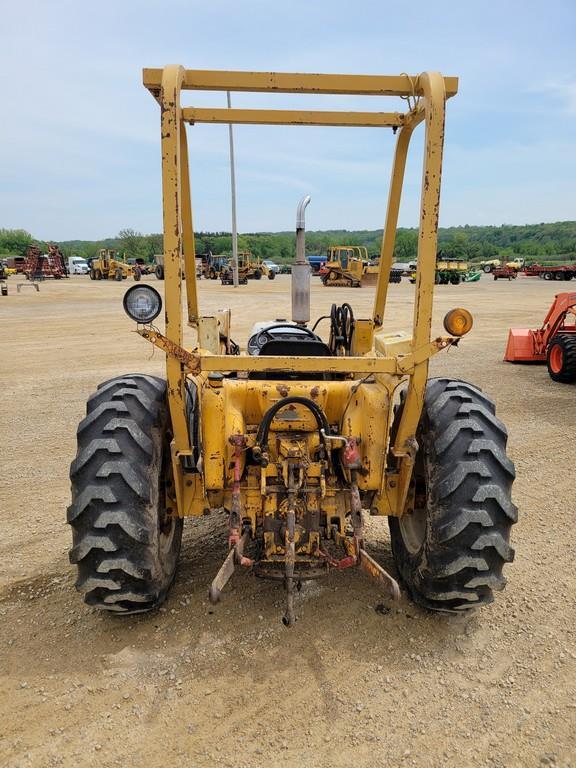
point(470, 511)
point(115, 495)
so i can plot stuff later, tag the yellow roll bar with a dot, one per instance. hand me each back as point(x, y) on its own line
point(426, 96)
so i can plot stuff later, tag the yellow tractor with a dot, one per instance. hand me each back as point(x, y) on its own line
point(109, 266)
point(214, 267)
point(299, 436)
point(250, 267)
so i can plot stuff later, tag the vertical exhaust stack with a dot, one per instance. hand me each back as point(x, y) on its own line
point(301, 269)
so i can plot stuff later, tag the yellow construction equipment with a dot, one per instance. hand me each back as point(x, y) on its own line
point(4, 272)
point(212, 267)
point(110, 266)
point(299, 435)
point(348, 266)
point(250, 267)
point(7, 270)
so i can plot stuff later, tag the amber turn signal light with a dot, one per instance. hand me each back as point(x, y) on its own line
point(458, 322)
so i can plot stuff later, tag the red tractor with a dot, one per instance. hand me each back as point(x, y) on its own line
point(554, 343)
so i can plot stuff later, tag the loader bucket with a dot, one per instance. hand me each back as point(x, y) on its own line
point(520, 347)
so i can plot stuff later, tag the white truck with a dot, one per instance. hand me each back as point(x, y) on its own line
point(77, 266)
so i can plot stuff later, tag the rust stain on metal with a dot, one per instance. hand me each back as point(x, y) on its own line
point(375, 571)
point(188, 359)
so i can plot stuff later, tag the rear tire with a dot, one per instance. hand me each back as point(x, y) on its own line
point(561, 358)
point(257, 274)
point(125, 544)
point(118, 275)
point(451, 546)
point(271, 275)
point(159, 272)
point(97, 274)
point(137, 274)
point(487, 268)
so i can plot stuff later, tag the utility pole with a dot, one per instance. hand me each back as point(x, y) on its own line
point(233, 190)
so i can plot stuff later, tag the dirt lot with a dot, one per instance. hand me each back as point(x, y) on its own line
point(193, 685)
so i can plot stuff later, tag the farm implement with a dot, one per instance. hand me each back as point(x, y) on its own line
point(39, 266)
point(550, 272)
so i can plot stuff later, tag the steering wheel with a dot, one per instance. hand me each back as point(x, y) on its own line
point(265, 336)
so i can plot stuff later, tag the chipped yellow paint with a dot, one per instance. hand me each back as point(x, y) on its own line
point(357, 409)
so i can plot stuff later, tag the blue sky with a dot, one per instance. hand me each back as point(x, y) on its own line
point(80, 139)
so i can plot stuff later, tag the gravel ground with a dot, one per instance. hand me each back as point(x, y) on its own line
point(230, 686)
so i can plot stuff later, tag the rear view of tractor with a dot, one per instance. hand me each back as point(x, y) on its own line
point(109, 266)
point(554, 343)
point(214, 267)
point(309, 428)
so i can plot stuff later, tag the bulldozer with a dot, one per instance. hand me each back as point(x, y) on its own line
point(298, 436)
point(348, 266)
point(109, 266)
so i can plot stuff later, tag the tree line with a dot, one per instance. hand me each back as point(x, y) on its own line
point(536, 242)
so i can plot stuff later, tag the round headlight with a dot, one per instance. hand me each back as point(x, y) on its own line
point(142, 303)
point(458, 321)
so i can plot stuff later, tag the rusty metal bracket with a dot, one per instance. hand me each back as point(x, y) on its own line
point(357, 556)
point(406, 364)
point(235, 557)
point(375, 571)
point(189, 360)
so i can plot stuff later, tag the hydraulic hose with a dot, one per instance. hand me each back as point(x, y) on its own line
point(341, 328)
point(314, 408)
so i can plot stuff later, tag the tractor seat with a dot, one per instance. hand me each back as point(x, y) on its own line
point(293, 348)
